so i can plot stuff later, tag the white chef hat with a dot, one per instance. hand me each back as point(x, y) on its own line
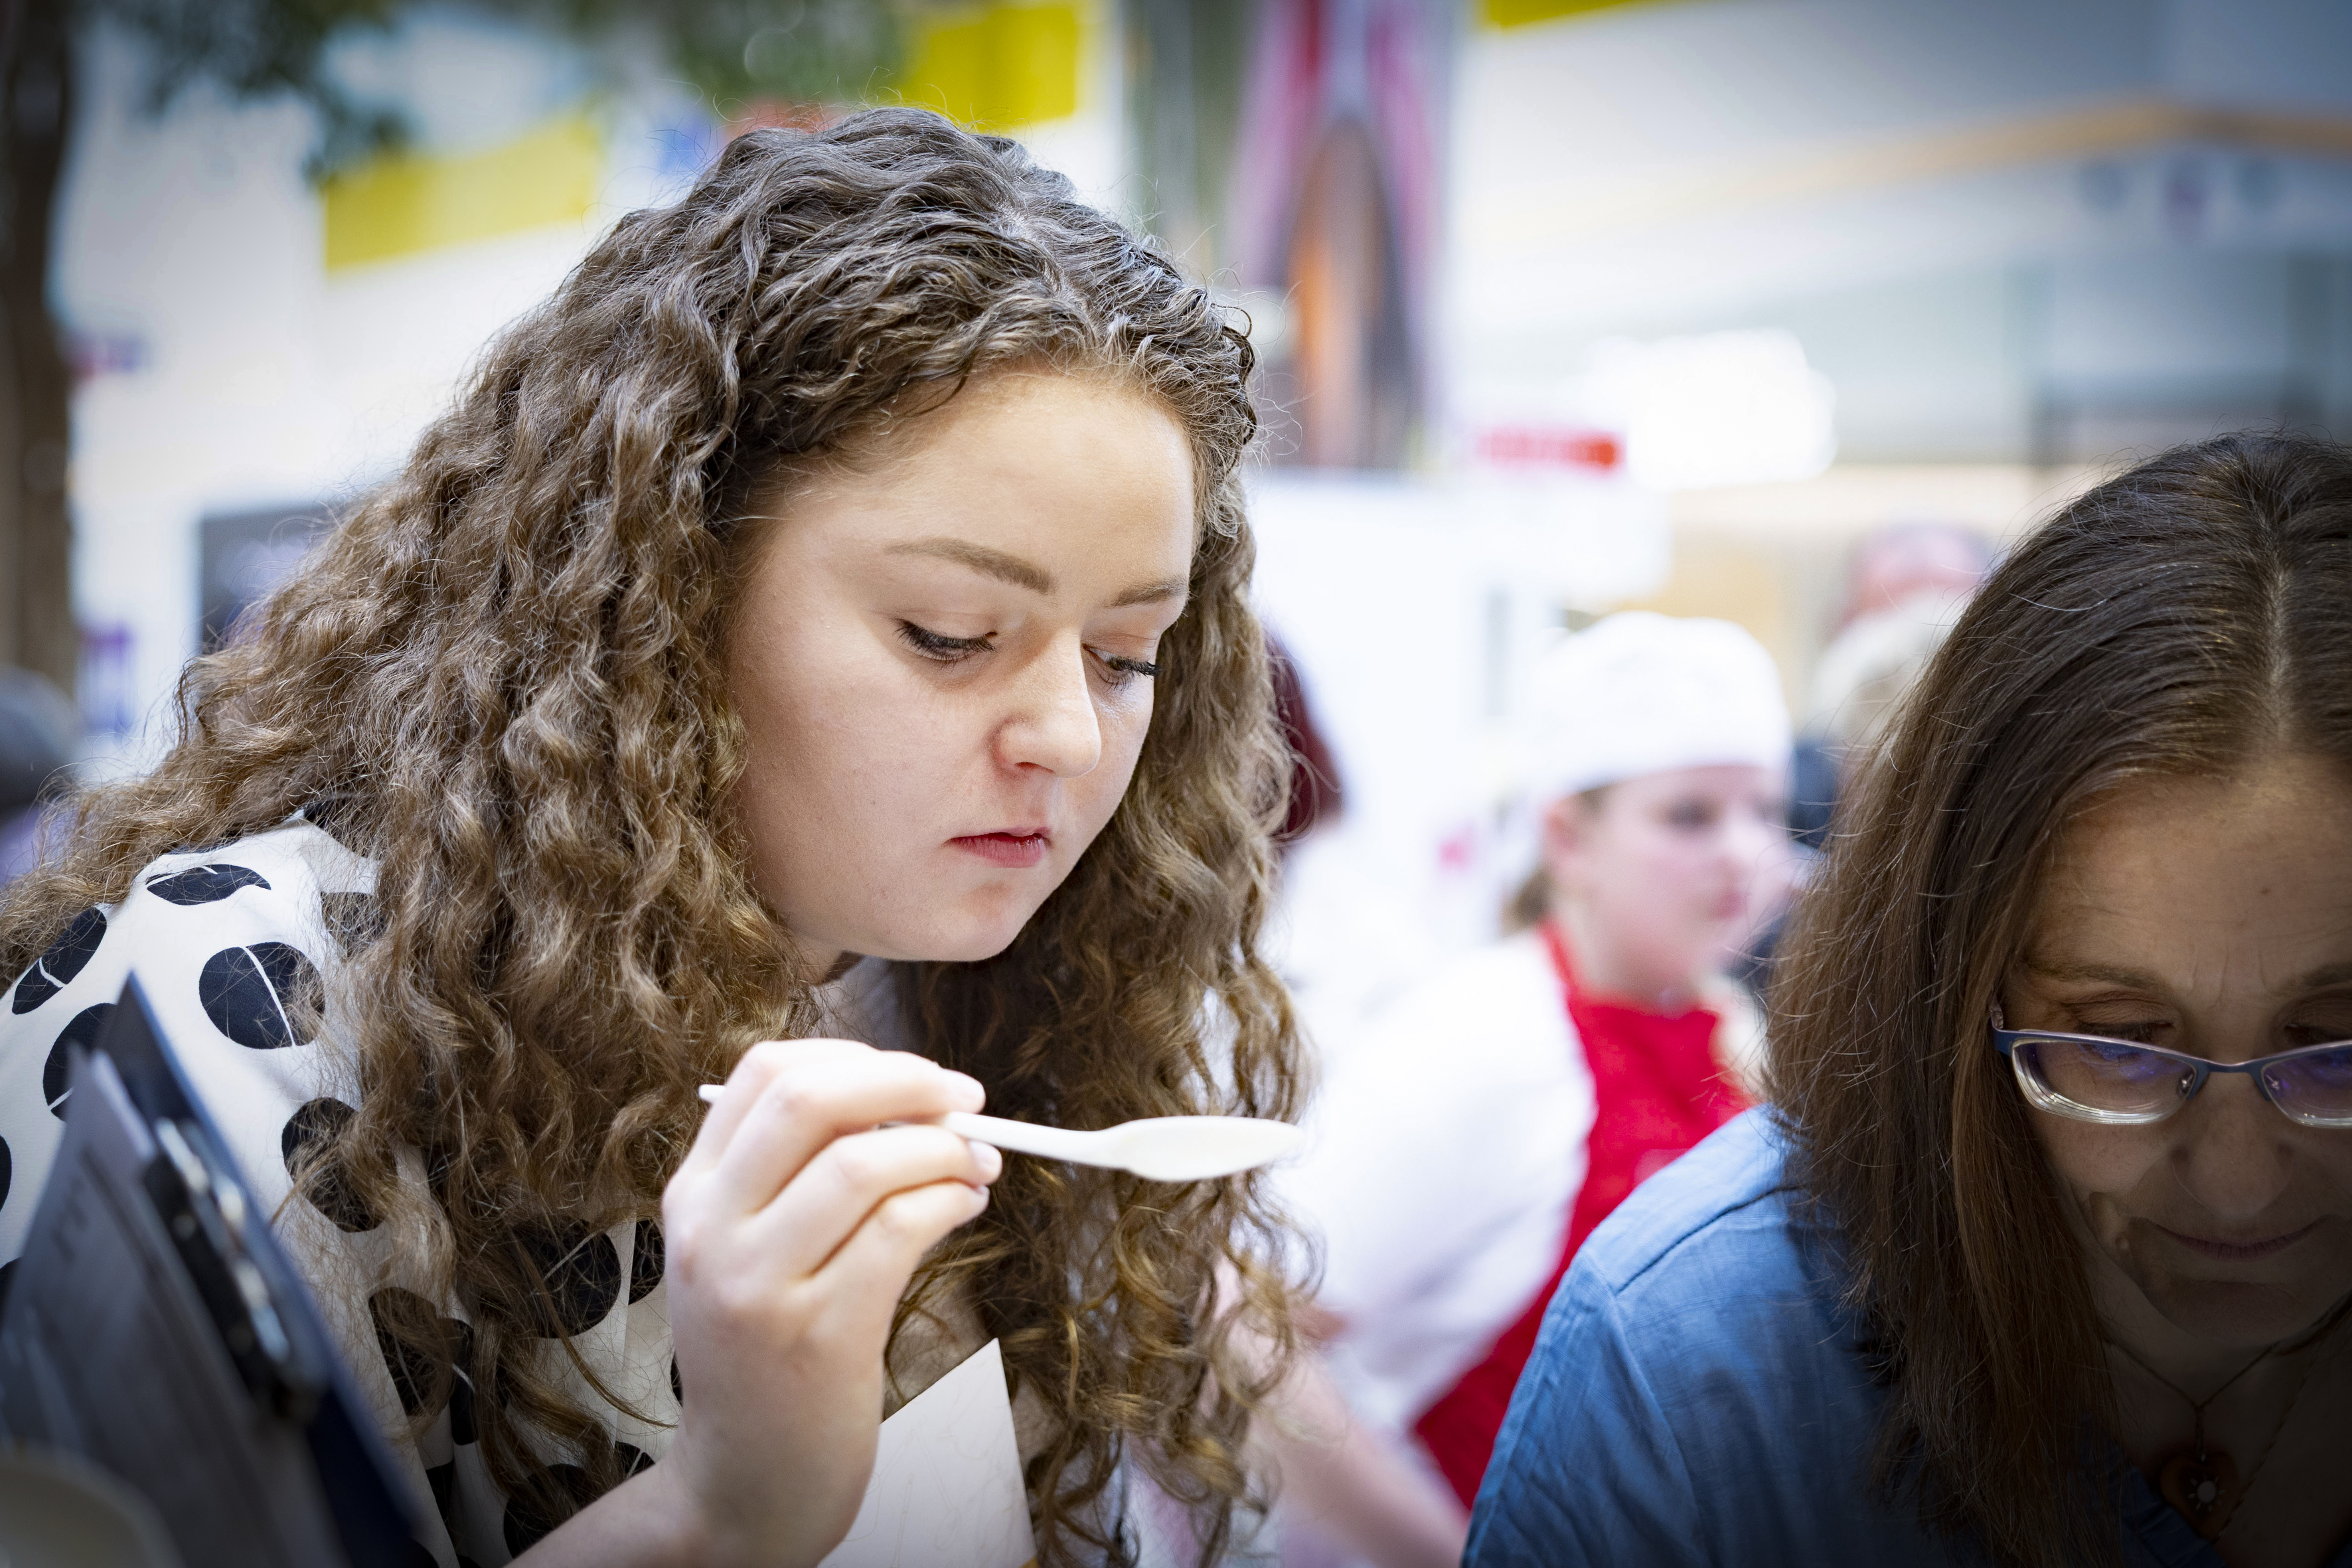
point(1638, 693)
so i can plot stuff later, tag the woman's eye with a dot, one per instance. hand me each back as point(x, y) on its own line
point(1119, 671)
point(2324, 1027)
point(932, 646)
point(2141, 1033)
point(1691, 815)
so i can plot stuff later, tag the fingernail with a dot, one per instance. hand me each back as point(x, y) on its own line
point(966, 1088)
point(991, 1163)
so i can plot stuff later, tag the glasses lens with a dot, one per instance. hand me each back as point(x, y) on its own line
point(2316, 1088)
point(2112, 1076)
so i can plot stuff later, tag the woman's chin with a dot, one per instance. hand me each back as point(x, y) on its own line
point(2244, 1312)
point(954, 934)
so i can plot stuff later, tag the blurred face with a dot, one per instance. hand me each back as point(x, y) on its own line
point(944, 664)
point(1667, 873)
point(2214, 917)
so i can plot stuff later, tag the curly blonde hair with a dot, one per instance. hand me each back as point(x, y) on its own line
point(501, 676)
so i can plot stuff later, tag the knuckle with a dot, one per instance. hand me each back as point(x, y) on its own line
point(906, 1217)
point(856, 1162)
point(685, 1239)
point(737, 1297)
point(770, 1054)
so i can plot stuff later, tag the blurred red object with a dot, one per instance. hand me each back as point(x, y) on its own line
point(1316, 794)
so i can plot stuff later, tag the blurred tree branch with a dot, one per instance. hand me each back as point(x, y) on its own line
point(741, 55)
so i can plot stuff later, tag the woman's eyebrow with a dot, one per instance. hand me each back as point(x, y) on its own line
point(2326, 975)
point(989, 563)
point(2138, 979)
point(1153, 593)
point(1013, 569)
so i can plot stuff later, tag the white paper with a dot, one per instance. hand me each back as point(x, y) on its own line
point(947, 1490)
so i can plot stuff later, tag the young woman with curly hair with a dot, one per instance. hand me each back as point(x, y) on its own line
point(2041, 1255)
point(823, 622)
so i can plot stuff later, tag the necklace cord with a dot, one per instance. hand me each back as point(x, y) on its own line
point(2292, 1343)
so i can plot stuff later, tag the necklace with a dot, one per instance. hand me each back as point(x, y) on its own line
point(2201, 1482)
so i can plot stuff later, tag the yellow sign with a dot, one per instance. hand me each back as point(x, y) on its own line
point(409, 203)
point(998, 66)
point(1520, 12)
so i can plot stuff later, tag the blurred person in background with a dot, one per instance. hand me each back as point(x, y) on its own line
point(1344, 940)
point(1465, 1149)
point(1345, 945)
point(1905, 585)
point(2042, 1254)
point(39, 731)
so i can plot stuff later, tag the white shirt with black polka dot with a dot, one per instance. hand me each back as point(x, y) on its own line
point(219, 938)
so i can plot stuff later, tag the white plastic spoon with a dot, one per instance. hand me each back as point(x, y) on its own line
point(1161, 1148)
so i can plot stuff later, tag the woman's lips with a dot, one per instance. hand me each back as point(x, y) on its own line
point(2238, 1251)
point(1020, 847)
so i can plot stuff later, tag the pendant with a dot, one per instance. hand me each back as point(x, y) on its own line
point(2201, 1488)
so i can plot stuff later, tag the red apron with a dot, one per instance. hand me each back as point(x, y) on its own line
point(1657, 1089)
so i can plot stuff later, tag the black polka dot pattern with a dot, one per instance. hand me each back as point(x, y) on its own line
point(67, 957)
point(353, 920)
point(337, 816)
point(7, 1170)
point(55, 1073)
point(463, 1426)
point(443, 1479)
point(411, 1366)
point(244, 991)
point(581, 1270)
point(306, 1139)
point(205, 884)
point(7, 1278)
point(677, 1389)
point(528, 1518)
point(399, 1315)
point(646, 1262)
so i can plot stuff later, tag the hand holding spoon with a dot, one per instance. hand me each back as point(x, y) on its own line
point(1160, 1148)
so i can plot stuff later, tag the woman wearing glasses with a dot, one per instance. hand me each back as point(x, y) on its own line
point(2041, 1254)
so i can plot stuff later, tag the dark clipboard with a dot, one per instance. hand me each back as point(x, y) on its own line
point(155, 1327)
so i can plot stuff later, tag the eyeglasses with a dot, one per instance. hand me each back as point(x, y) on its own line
point(2123, 1084)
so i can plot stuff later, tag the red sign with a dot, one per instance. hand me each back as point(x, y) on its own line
point(1550, 447)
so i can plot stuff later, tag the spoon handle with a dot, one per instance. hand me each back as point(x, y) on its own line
point(1023, 1137)
point(1028, 1138)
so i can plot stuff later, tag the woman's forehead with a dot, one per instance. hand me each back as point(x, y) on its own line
point(2235, 880)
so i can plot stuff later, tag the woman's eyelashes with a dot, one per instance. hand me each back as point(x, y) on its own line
point(933, 645)
point(940, 648)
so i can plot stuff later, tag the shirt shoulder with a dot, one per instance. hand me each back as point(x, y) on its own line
point(1699, 1392)
point(1725, 1205)
point(230, 942)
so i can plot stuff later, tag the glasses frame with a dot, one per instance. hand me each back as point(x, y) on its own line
point(2041, 1097)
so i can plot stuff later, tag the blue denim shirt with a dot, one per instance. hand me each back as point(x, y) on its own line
point(1698, 1396)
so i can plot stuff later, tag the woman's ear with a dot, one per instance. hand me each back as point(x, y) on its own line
point(1565, 832)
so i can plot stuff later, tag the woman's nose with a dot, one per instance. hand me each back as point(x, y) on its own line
point(1053, 724)
point(2234, 1156)
point(1747, 843)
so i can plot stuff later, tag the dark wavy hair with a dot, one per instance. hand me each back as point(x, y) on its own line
point(502, 677)
point(2176, 621)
